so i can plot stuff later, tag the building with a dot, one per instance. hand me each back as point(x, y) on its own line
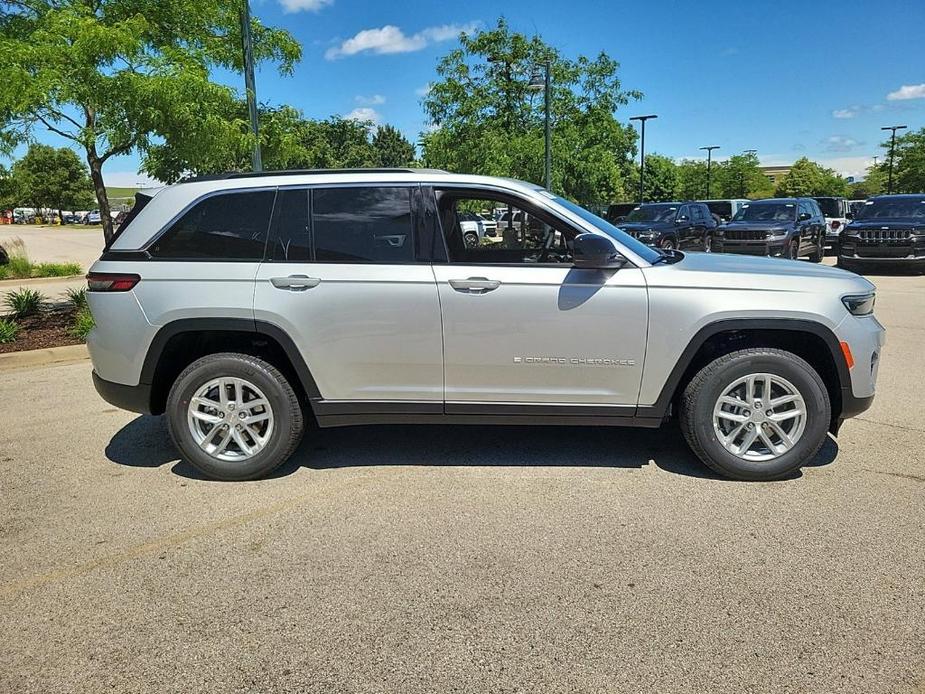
point(775, 173)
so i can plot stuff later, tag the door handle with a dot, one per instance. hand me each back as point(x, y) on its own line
point(475, 285)
point(295, 282)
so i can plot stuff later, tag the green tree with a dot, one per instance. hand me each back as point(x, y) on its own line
point(908, 164)
point(392, 148)
point(740, 177)
point(692, 179)
point(488, 121)
point(116, 76)
point(52, 178)
point(807, 178)
point(661, 182)
point(7, 193)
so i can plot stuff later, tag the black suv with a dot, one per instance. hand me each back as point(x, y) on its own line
point(887, 229)
point(786, 227)
point(670, 225)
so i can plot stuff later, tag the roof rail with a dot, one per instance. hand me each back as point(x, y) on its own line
point(303, 172)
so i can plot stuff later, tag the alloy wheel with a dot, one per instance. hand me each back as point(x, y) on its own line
point(759, 417)
point(230, 419)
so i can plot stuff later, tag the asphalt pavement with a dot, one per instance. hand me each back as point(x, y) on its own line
point(461, 559)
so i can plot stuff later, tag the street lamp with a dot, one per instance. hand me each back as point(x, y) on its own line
point(893, 129)
point(249, 86)
point(709, 149)
point(642, 151)
point(540, 81)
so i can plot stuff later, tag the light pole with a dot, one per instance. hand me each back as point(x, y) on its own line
point(709, 149)
point(538, 82)
point(249, 85)
point(893, 129)
point(642, 151)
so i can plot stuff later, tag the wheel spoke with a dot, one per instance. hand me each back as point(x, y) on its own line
point(205, 402)
point(766, 390)
point(223, 393)
point(731, 416)
point(767, 441)
point(223, 444)
point(748, 440)
point(238, 393)
point(750, 390)
point(242, 444)
point(250, 405)
point(733, 402)
point(207, 441)
point(205, 417)
point(256, 418)
point(785, 439)
point(783, 416)
point(731, 436)
point(783, 400)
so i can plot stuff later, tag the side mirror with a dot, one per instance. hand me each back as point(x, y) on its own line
point(595, 252)
point(804, 216)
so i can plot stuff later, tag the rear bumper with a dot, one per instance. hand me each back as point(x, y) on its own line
point(131, 398)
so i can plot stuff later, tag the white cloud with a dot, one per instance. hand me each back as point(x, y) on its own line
point(391, 39)
point(849, 112)
point(840, 143)
point(374, 100)
point(291, 6)
point(848, 166)
point(907, 91)
point(364, 113)
point(423, 91)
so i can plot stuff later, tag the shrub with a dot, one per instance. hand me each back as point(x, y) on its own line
point(56, 269)
point(77, 297)
point(8, 330)
point(17, 265)
point(83, 323)
point(24, 302)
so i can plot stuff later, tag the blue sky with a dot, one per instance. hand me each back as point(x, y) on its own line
point(814, 78)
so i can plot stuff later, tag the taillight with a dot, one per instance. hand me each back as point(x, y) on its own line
point(111, 282)
point(835, 224)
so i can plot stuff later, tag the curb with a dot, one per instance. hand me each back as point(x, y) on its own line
point(43, 357)
point(41, 280)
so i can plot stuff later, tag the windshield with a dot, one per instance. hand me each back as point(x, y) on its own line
point(829, 207)
point(653, 213)
point(893, 208)
point(721, 207)
point(767, 212)
point(650, 255)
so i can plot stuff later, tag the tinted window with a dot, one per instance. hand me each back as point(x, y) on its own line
point(893, 208)
point(767, 212)
point(721, 208)
point(231, 226)
point(362, 225)
point(653, 213)
point(293, 236)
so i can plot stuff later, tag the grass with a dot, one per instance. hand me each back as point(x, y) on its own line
point(24, 302)
point(20, 267)
point(8, 331)
point(83, 323)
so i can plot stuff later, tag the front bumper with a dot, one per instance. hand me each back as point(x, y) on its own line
point(765, 247)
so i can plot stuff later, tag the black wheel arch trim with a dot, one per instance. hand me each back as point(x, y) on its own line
point(244, 325)
point(662, 405)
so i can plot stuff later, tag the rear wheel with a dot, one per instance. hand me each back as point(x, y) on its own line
point(668, 244)
point(234, 416)
point(471, 239)
point(756, 414)
point(818, 252)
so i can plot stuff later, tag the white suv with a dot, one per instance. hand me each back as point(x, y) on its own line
point(243, 305)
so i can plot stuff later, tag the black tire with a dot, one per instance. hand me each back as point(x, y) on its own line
point(793, 250)
point(816, 255)
point(668, 244)
point(471, 239)
point(284, 403)
point(708, 243)
point(702, 393)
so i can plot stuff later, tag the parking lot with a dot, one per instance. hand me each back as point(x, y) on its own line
point(419, 559)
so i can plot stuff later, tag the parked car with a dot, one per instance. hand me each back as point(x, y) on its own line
point(887, 230)
point(785, 227)
point(475, 228)
point(242, 305)
point(93, 217)
point(837, 213)
point(724, 210)
point(672, 225)
point(618, 211)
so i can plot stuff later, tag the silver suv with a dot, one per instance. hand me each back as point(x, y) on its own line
point(243, 306)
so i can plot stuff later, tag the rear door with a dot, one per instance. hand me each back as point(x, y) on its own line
point(347, 278)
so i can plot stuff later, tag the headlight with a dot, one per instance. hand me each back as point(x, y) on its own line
point(859, 305)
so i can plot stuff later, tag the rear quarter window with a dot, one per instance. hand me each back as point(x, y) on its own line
point(226, 226)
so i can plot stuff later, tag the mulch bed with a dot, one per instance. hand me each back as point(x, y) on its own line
point(50, 328)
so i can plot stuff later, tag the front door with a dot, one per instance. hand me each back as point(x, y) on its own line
point(526, 333)
point(346, 280)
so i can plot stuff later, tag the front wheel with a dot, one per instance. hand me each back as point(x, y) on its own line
point(756, 414)
point(708, 243)
point(793, 250)
point(234, 416)
point(818, 253)
point(668, 244)
point(471, 239)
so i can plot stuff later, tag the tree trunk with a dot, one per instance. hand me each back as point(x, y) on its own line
point(102, 198)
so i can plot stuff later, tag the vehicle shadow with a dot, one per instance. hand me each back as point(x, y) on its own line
point(144, 442)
